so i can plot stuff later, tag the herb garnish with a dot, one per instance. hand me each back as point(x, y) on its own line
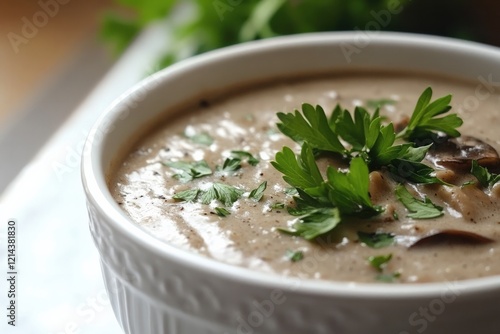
point(315, 223)
point(257, 193)
point(379, 261)
point(368, 144)
point(189, 170)
point(231, 165)
point(277, 206)
point(225, 194)
point(201, 138)
point(244, 155)
point(423, 122)
point(294, 256)
point(189, 195)
point(221, 212)
point(376, 240)
point(485, 178)
point(419, 209)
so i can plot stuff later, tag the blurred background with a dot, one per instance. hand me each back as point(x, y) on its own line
point(53, 52)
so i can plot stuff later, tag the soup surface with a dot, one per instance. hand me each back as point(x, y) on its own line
point(462, 243)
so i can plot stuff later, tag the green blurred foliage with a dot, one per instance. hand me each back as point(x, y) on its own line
point(218, 23)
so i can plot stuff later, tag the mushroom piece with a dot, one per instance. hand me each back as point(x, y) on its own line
point(458, 153)
point(451, 236)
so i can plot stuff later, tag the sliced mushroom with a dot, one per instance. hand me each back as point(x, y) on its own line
point(458, 153)
point(451, 236)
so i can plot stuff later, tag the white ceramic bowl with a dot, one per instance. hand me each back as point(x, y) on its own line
point(155, 288)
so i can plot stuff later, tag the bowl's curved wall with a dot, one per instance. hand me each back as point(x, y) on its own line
point(155, 288)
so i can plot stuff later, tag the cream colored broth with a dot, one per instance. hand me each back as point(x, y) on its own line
point(246, 120)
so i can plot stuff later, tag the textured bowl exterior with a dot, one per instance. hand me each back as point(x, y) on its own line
point(155, 288)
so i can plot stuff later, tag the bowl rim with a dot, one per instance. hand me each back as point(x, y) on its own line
point(98, 194)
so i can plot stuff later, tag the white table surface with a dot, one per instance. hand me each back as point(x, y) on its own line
point(59, 284)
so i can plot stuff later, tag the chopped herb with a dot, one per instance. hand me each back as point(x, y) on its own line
point(424, 123)
point(257, 193)
point(315, 223)
point(189, 195)
point(226, 194)
point(419, 209)
point(291, 191)
point(416, 172)
point(378, 262)
point(242, 155)
point(294, 256)
point(278, 206)
point(231, 165)
point(388, 278)
point(221, 212)
point(485, 178)
point(201, 138)
point(189, 170)
point(395, 215)
point(347, 192)
point(376, 240)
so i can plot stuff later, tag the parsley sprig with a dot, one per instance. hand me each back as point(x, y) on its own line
point(483, 175)
point(419, 209)
point(368, 143)
point(424, 123)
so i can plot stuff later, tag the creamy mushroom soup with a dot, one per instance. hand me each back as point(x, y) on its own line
point(204, 182)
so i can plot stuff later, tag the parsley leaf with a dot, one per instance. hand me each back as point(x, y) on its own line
point(361, 131)
point(300, 171)
point(245, 155)
point(350, 191)
point(419, 209)
point(485, 178)
point(221, 212)
point(231, 165)
point(226, 194)
point(189, 170)
point(294, 256)
point(311, 126)
point(378, 262)
point(201, 138)
point(376, 240)
point(189, 195)
point(412, 171)
point(316, 223)
point(258, 192)
point(424, 122)
point(277, 206)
